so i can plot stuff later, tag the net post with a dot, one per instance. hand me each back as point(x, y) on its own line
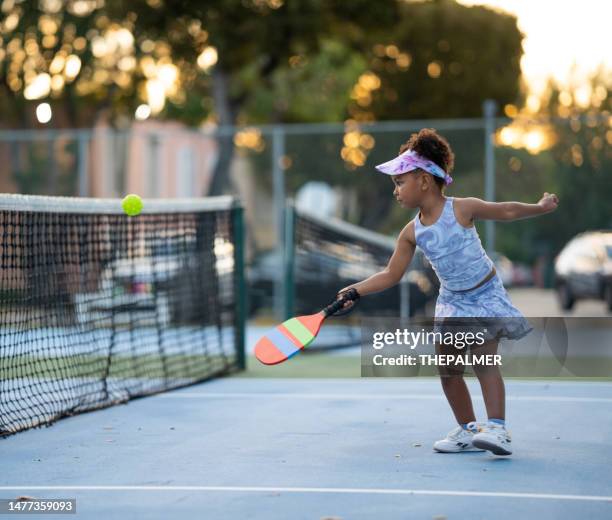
point(289, 259)
point(241, 299)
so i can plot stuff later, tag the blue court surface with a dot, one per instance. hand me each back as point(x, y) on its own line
point(320, 448)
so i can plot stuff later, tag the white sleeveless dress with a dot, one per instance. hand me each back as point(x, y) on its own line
point(458, 258)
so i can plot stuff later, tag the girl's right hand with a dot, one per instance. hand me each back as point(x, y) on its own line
point(347, 304)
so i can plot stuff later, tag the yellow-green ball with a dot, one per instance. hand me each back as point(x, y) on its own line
point(132, 204)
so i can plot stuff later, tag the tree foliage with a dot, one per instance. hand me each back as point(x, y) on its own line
point(583, 159)
point(269, 61)
point(297, 60)
point(443, 59)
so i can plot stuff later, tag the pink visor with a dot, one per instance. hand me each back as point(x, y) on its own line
point(409, 161)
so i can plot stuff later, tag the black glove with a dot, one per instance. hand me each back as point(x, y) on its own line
point(336, 308)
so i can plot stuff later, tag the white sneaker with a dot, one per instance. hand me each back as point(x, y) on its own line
point(458, 440)
point(493, 437)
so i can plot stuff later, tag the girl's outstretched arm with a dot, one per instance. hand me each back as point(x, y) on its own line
point(392, 274)
point(474, 208)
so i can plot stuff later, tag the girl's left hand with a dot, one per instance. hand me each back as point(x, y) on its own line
point(549, 202)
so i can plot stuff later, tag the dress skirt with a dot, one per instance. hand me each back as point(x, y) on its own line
point(487, 308)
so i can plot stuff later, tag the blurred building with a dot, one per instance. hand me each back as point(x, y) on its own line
point(153, 159)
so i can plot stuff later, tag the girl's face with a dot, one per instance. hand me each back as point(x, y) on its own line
point(406, 189)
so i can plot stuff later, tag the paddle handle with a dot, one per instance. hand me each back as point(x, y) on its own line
point(350, 295)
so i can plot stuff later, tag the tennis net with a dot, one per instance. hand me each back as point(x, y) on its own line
point(326, 254)
point(97, 308)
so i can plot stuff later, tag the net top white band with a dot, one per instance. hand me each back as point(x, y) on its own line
point(44, 204)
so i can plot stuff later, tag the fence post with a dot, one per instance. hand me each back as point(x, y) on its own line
point(154, 166)
point(489, 108)
point(289, 261)
point(404, 297)
point(83, 164)
point(278, 178)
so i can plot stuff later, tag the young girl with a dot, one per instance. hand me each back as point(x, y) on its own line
point(469, 286)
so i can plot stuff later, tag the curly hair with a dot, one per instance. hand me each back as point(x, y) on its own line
point(431, 145)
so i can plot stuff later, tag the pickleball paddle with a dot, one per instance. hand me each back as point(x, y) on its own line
point(291, 336)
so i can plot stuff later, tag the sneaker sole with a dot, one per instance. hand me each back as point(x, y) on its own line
point(489, 446)
point(473, 450)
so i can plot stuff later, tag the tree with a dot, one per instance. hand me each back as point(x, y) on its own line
point(443, 59)
point(256, 61)
point(440, 60)
point(583, 159)
point(255, 40)
point(574, 162)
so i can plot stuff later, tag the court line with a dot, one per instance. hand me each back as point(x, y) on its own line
point(318, 490)
point(361, 397)
point(428, 381)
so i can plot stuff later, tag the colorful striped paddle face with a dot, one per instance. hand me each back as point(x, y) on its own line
point(288, 338)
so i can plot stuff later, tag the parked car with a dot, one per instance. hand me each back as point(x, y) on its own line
point(504, 268)
point(165, 284)
point(126, 292)
point(522, 275)
point(512, 274)
point(583, 269)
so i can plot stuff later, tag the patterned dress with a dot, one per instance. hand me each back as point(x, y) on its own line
point(458, 258)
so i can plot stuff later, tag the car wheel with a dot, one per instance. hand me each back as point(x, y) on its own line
point(566, 299)
point(608, 296)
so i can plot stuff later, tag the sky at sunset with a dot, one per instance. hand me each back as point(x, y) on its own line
point(558, 35)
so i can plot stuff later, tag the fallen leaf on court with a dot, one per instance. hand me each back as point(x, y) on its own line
point(397, 455)
point(24, 498)
point(417, 445)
